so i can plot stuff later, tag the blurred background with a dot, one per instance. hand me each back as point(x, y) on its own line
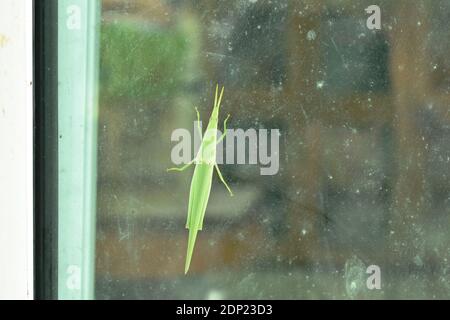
point(364, 149)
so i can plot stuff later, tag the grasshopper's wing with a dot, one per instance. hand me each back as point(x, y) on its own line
point(198, 200)
point(199, 195)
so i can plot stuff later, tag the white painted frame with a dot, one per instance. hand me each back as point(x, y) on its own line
point(16, 149)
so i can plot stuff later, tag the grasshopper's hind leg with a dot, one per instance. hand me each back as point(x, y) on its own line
point(217, 167)
point(223, 180)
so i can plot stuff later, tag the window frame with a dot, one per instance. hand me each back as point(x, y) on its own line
point(45, 149)
point(16, 145)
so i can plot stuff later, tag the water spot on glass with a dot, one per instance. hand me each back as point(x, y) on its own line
point(311, 35)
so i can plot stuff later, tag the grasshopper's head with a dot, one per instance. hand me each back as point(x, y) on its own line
point(217, 101)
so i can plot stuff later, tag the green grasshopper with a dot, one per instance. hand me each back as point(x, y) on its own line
point(205, 162)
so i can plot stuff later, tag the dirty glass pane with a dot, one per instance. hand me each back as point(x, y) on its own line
point(357, 203)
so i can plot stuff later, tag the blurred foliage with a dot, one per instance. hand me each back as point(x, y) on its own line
point(140, 63)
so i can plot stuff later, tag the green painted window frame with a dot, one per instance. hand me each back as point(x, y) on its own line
point(78, 59)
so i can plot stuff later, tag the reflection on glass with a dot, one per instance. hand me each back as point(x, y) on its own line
point(364, 156)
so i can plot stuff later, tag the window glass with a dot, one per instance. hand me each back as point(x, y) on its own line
point(344, 107)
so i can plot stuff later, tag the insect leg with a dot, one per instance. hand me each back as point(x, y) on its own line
point(182, 168)
point(223, 180)
point(198, 122)
point(224, 130)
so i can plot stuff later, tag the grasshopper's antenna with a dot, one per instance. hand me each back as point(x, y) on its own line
point(217, 92)
point(220, 98)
